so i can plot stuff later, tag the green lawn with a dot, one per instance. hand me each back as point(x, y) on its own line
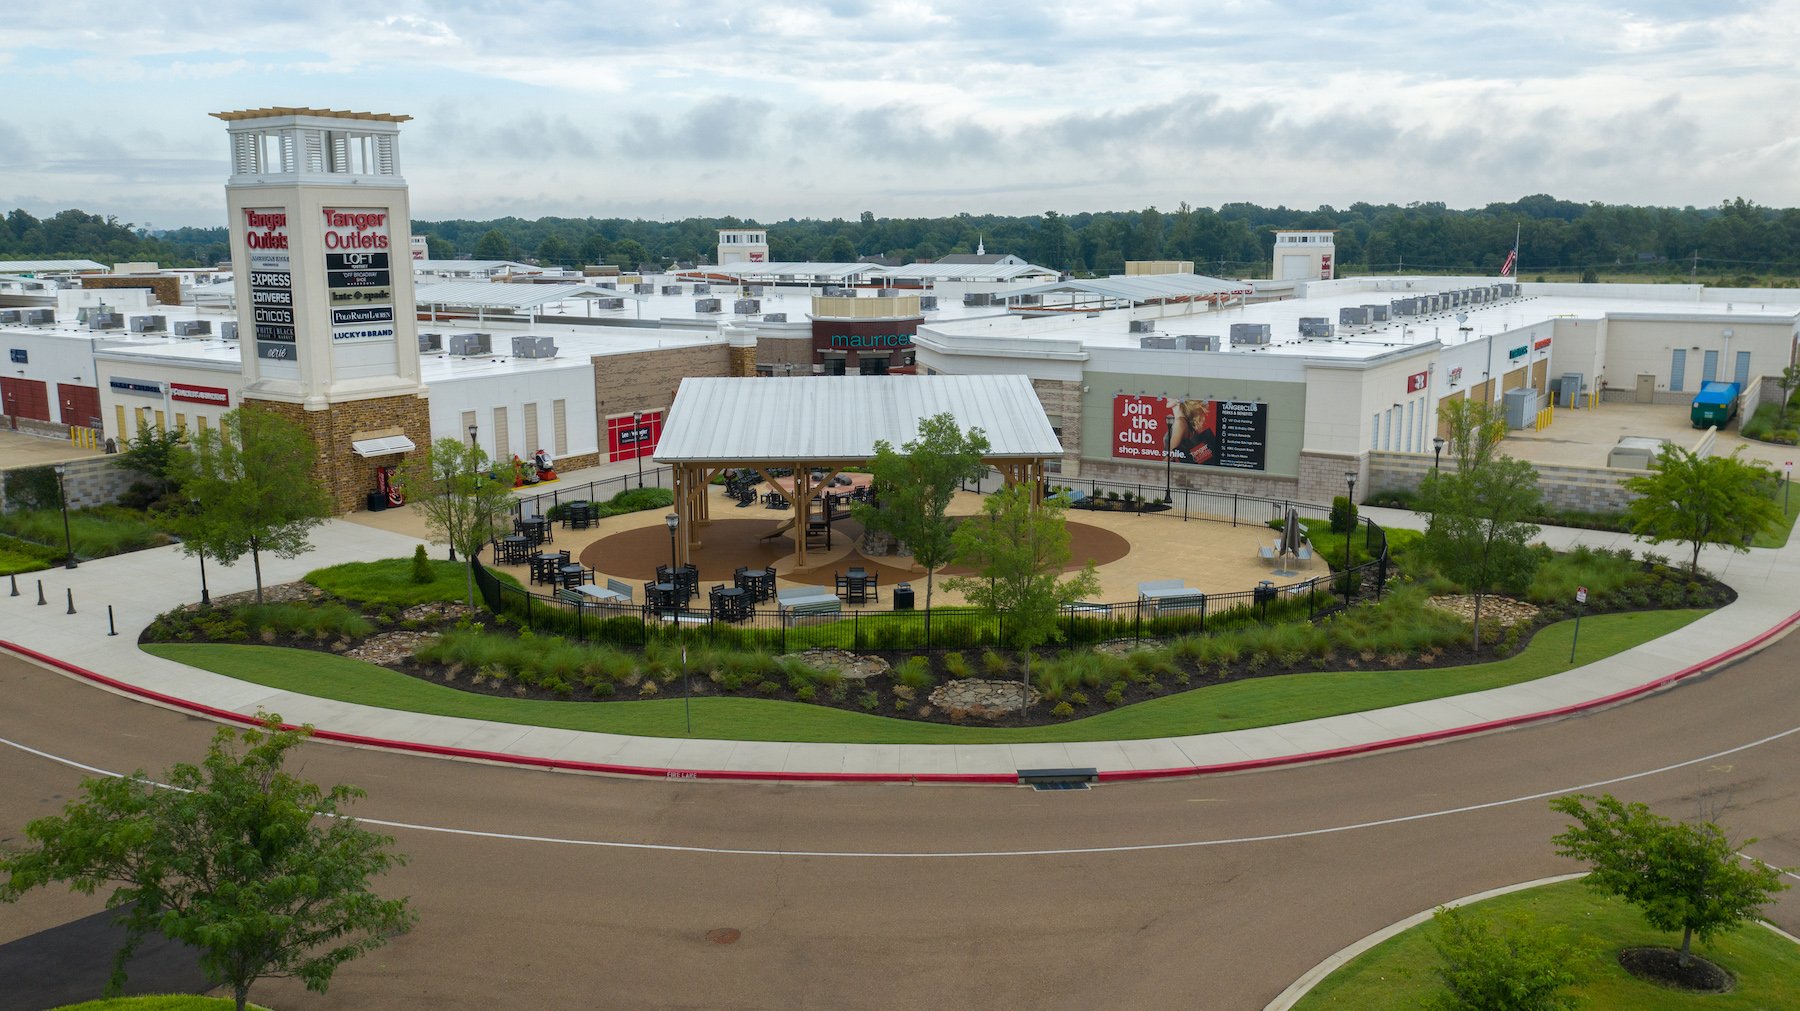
point(389, 581)
point(1254, 703)
point(161, 1002)
point(1398, 972)
point(1777, 536)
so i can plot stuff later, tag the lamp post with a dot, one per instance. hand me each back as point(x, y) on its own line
point(205, 596)
point(472, 430)
point(673, 520)
point(1169, 457)
point(637, 445)
point(1437, 452)
point(62, 496)
point(1350, 482)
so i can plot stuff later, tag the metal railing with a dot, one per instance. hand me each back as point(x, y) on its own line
point(600, 490)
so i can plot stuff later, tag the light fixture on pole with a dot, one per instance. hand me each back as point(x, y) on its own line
point(205, 596)
point(673, 520)
point(472, 430)
point(1169, 458)
point(62, 495)
point(637, 445)
point(1350, 483)
point(1437, 452)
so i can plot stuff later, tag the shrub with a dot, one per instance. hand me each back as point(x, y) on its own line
point(1114, 695)
point(805, 693)
point(869, 701)
point(995, 664)
point(421, 566)
point(956, 665)
point(1062, 710)
point(1343, 515)
point(916, 674)
point(647, 689)
point(767, 688)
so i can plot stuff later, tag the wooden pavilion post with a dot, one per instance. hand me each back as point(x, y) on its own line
point(802, 512)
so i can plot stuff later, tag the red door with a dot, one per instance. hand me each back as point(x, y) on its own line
point(25, 398)
point(80, 405)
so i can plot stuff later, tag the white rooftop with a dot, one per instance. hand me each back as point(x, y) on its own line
point(780, 420)
point(35, 266)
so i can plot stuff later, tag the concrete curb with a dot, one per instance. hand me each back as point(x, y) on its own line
point(1299, 988)
point(1118, 776)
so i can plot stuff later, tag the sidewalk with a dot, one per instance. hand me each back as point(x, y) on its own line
point(145, 583)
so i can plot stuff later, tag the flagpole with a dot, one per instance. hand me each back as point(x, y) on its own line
point(1516, 272)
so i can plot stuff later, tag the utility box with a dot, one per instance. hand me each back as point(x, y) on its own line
point(228, 330)
point(1249, 333)
point(746, 306)
point(927, 303)
point(1521, 407)
point(467, 345)
point(193, 327)
point(604, 304)
point(40, 317)
point(774, 317)
point(706, 305)
point(1568, 392)
point(529, 346)
point(1635, 452)
point(1353, 315)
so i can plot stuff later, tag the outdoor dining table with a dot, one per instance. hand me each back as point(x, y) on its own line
point(667, 597)
point(732, 603)
point(513, 548)
point(571, 573)
point(534, 528)
point(544, 566)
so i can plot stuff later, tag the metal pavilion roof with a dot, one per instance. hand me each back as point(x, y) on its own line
point(29, 266)
point(963, 271)
point(1141, 287)
point(804, 418)
point(805, 269)
point(510, 296)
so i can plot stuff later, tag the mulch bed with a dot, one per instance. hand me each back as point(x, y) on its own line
point(1663, 967)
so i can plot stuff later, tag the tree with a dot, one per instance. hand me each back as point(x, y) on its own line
point(252, 480)
point(554, 251)
point(151, 455)
point(256, 868)
point(1789, 381)
point(1516, 969)
point(464, 505)
point(494, 245)
point(915, 485)
point(1700, 500)
point(1680, 876)
point(1018, 550)
point(1479, 529)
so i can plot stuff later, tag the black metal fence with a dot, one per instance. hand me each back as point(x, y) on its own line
point(781, 630)
point(593, 491)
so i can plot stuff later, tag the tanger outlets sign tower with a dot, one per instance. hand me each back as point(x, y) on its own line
point(320, 239)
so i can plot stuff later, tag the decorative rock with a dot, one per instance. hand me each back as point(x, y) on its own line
point(849, 666)
point(391, 649)
point(1500, 610)
point(975, 698)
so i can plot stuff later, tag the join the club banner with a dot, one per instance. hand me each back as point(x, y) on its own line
point(1202, 433)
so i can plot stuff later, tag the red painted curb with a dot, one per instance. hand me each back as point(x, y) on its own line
point(1125, 775)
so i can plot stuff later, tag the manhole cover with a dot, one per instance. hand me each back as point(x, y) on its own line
point(723, 935)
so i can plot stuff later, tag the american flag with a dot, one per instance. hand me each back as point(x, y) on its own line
point(1512, 257)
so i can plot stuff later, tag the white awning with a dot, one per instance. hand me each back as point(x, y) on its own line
point(385, 446)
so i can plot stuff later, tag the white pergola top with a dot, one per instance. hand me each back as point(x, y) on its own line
point(840, 418)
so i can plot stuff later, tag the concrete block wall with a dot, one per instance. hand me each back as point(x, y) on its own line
point(1322, 477)
point(89, 481)
point(1209, 479)
point(1589, 489)
point(1062, 402)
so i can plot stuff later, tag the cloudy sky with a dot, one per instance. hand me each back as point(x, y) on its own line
point(770, 109)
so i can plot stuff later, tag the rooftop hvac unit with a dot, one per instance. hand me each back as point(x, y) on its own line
point(1377, 313)
point(702, 289)
point(1141, 326)
point(888, 293)
point(1251, 333)
point(978, 298)
point(105, 321)
point(927, 303)
point(193, 327)
point(642, 288)
point(11, 317)
point(1403, 307)
point(1162, 342)
point(1316, 327)
point(671, 289)
point(753, 290)
point(609, 303)
point(228, 330)
point(1353, 315)
point(431, 342)
point(1028, 299)
point(1509, 291)
point(746, 306)
point(706, 305)
point(608, 285)
point(465, 345)
point(525, 346)
point(148, 324)
point(1198, 342)
point(774, 317)
point(40, 317)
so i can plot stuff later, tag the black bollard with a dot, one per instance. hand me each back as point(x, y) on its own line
point(71, 600)
point(111, 629)
point(15, 584)
point(41, 600)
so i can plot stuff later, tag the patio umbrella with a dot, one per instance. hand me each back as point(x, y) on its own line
point(1290, 542)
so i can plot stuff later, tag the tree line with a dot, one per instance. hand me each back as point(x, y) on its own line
point(1726, 244)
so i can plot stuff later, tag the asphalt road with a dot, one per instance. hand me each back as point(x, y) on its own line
point(558, 890)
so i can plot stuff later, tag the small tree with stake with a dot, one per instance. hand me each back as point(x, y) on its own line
point(1018, 550)
point(254, 867)
point(914, 487)
point(1698, 500)
point(463, 504)
point(1681, 876)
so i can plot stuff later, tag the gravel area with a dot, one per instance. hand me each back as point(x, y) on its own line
point(1503, 610)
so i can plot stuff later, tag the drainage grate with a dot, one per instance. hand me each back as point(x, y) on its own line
point(1059, 786)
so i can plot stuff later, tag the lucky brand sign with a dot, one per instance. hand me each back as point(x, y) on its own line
point(358, 275)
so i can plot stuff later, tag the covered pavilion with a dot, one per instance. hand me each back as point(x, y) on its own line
point(827, 424)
